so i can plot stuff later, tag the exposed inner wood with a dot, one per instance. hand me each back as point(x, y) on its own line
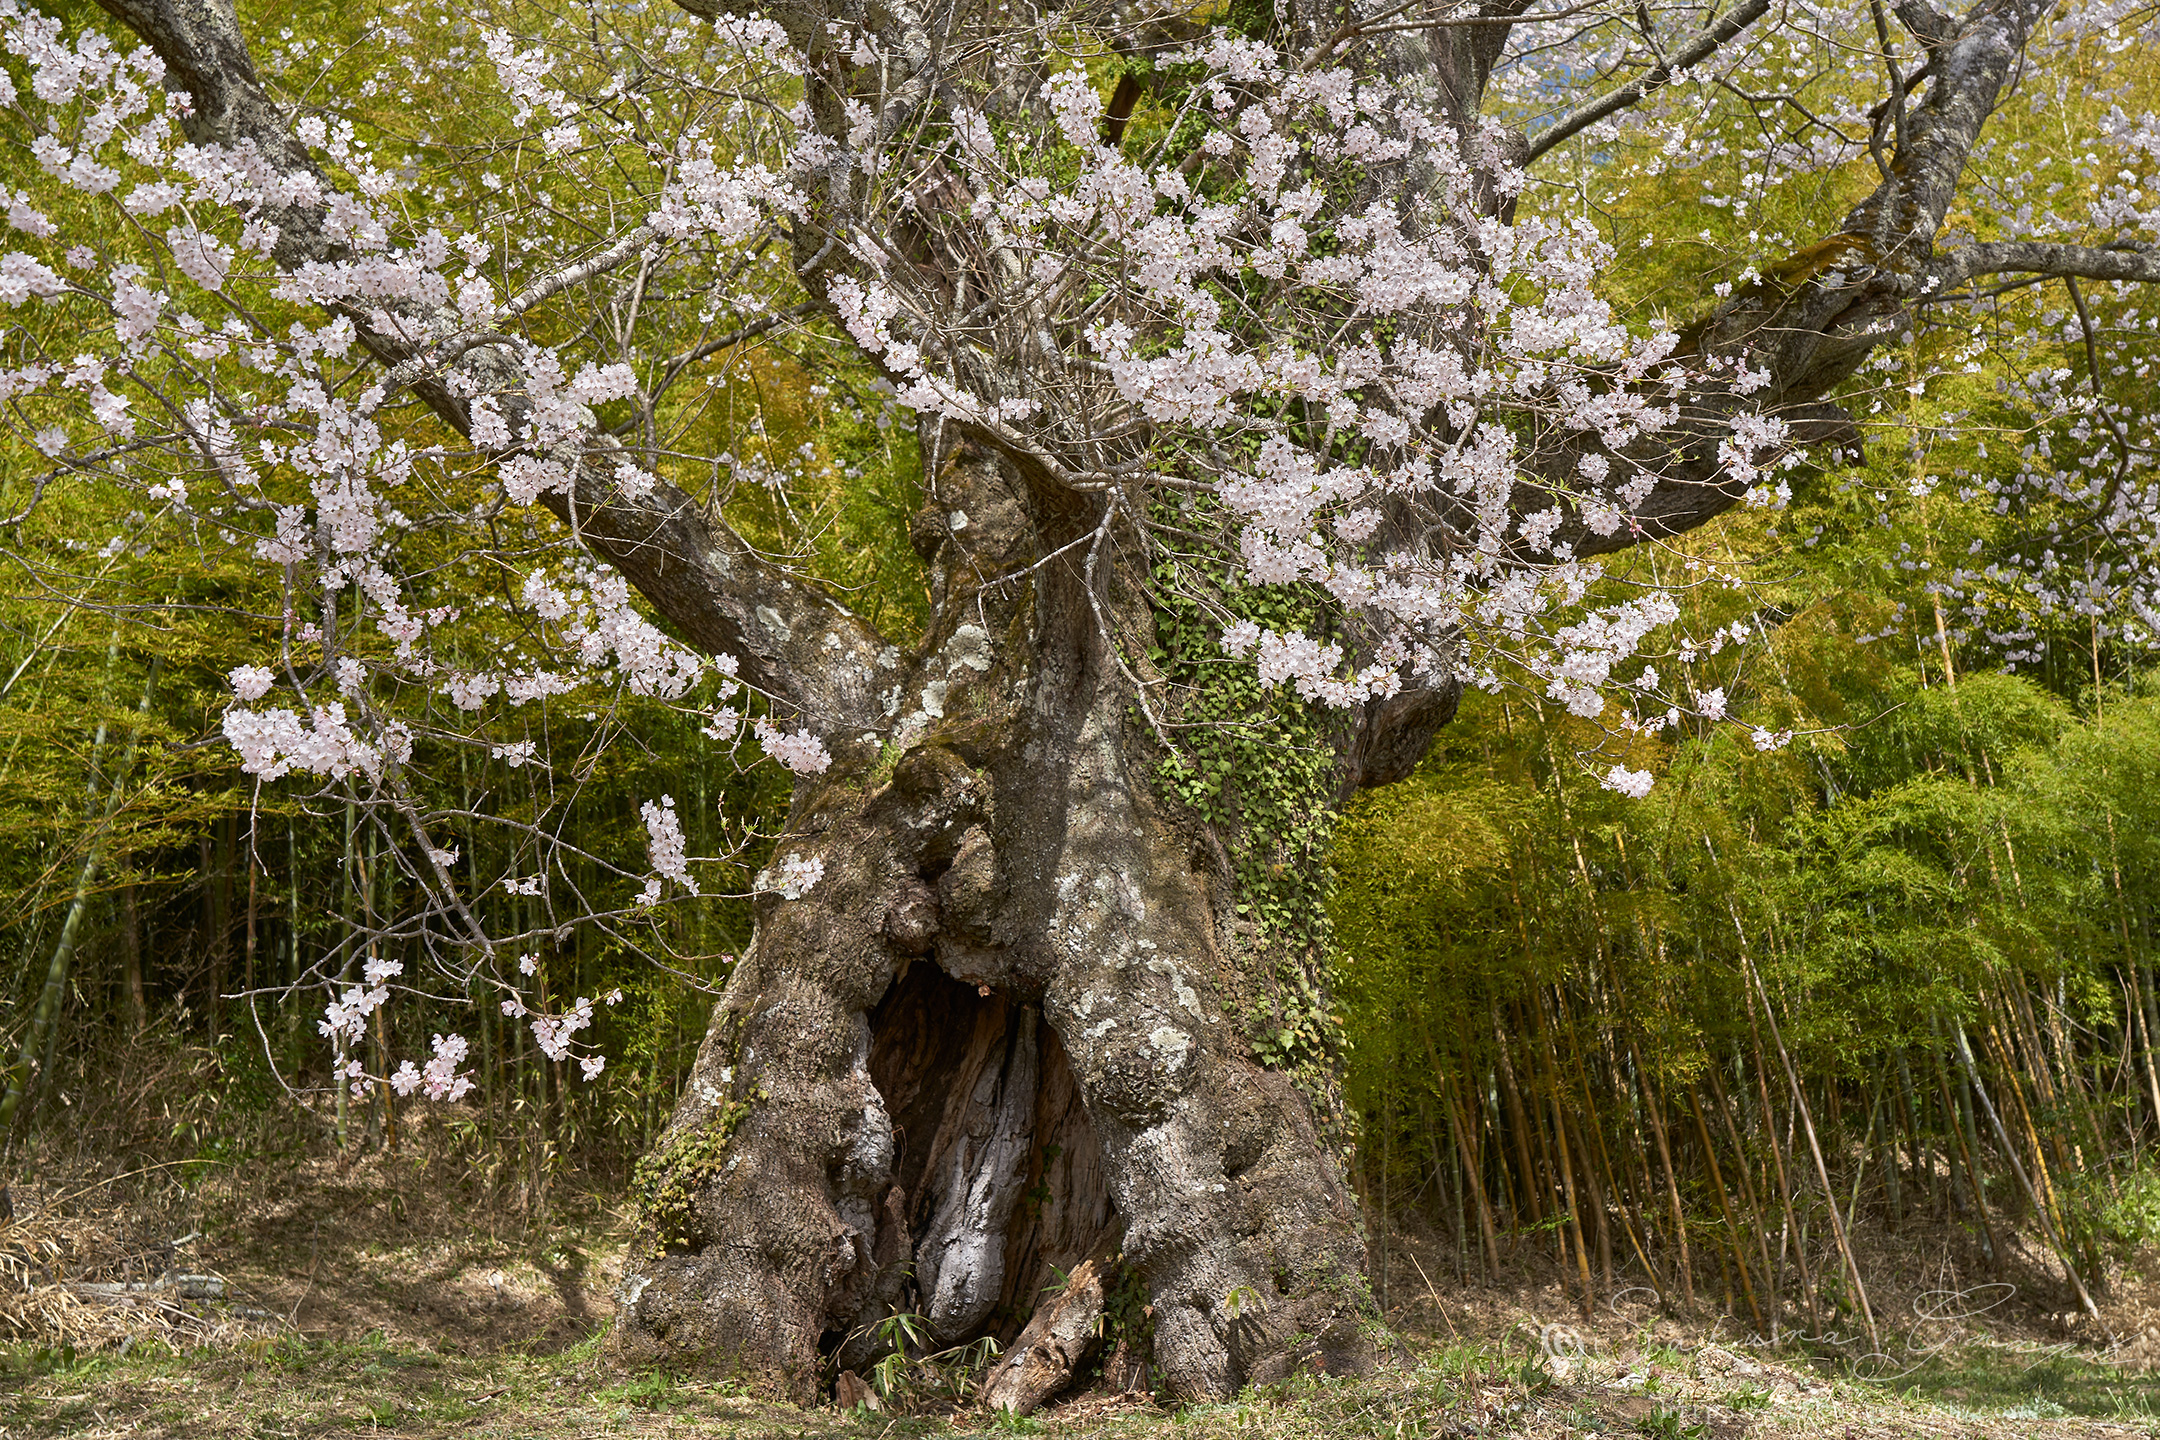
point(1065, 1204)
point(1057, 1344)
point(998, 1176)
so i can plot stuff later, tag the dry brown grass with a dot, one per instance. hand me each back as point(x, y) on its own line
point(397, 1295)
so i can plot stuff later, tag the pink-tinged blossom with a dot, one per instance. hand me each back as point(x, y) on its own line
point(547, 600)
point(552, 1033)
point(204, 259)
point(1078, 108)
point(728, 203)
point(111, 411)
point(24, 216)
point(665, 844)
point(1634, 784)
point(794, 877)
point(21, 277)
point(345, 1020)
point(250, 682)
point(760, 40)
point(292, 541)
point(272, 743)
point(476, 305)
point(470, 692)
point(596, 384)
point(800, 752)
point(1316, 669)
point(523, 74)
point(440, 1077)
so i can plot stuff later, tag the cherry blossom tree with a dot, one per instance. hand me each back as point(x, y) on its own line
point(1258, 328)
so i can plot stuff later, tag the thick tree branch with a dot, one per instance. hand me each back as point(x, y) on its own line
point(792, 642)
point(1701, 48)
point(1808, 322)
point(2031, 257)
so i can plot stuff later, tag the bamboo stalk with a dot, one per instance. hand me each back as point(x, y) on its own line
point(1967, 1146)
point(1652, 1109)
point(1458, 1121)
point(1573, 1226)
point(1639, 1184)
point(2062, 1251)
point(2023, 1113)
point(1852, 1205)
point(1784, 1182)
point(38, 1035)
point(1455, 1182)
point(1518, 1122)
point(1807, 1122)
point(1732, 1227)
point(131, 955)
point(1726, 1113)
point(1599, 1209)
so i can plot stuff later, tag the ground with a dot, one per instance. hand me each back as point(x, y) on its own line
point(406, 1296)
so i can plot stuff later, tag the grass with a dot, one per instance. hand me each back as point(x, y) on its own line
point(2037, 1384)
point(326, 1389)
point(292, 1389)
point(439, 1318)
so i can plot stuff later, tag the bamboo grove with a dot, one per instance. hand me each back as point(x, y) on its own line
point(172, 930)
point(1876, 1008)
point(1732, 1042)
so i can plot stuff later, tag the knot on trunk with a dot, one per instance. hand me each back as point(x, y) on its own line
point(941, 800)
point(968, 890)
point(911, 920)
point(1394, 734)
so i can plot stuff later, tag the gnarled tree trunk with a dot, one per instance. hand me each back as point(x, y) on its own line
point(1006, 1019)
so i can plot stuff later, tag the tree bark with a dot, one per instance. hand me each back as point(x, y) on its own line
point(1007, 1015)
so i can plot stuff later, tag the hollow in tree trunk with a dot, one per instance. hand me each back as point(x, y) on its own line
point(1013, 1018)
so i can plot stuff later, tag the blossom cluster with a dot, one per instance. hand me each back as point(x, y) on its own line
point(439, 1078)
point(666, 846)
point(273, 431)
point(1405, 351)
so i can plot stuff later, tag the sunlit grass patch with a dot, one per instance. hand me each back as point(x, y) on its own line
point(2033, 1384)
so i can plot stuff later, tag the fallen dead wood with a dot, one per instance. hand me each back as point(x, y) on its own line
point(175, 1286)
point(75, 1276)
point(1063, 1336)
